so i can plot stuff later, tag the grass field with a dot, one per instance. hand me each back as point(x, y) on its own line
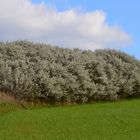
point(100, 121)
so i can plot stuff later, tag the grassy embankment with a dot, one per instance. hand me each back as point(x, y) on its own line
point(100, 121)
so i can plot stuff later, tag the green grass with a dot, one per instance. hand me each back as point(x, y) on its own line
point(101, 121)
point(6, 107)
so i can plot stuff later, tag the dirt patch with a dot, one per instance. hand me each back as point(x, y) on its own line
point(7, 97)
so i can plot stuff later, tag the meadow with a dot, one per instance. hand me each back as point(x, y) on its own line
point(98, 121)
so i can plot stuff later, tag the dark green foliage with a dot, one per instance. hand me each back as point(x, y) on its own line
point(51, 74)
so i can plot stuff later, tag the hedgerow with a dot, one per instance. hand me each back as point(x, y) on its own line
point(51, 74)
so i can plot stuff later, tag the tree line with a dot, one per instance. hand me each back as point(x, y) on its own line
point(51, 74)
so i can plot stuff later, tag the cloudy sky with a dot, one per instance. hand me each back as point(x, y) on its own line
point(84, 24)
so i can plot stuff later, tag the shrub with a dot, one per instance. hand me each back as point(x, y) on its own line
point(51, 74)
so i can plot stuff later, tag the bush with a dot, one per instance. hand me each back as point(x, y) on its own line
point(51, 74)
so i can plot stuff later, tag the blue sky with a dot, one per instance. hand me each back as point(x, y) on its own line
point(124, 13)
point(83, 24)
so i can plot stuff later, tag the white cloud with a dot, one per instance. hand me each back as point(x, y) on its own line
point(21, 19)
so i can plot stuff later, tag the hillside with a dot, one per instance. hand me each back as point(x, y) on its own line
point(100, 121)
point(51, 74)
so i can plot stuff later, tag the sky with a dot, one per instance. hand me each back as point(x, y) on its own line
point(83, 24)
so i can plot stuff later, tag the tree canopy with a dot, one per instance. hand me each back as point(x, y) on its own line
point(47, 73)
